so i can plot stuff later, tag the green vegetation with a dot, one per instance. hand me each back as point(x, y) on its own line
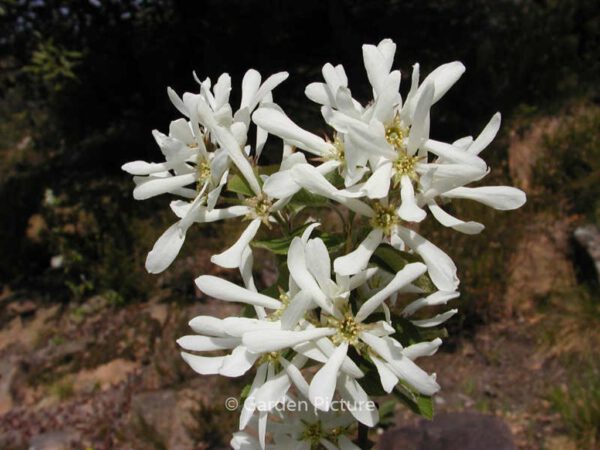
point(578, 404)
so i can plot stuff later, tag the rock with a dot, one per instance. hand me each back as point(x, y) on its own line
point(55, 440)
point(588, 236)
point(451, 431)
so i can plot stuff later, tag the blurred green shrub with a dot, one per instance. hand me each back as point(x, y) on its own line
point(578, 404)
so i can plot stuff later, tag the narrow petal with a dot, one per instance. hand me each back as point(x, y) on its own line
point(419, 129)
point(408, 274)
point(444, 77)
point(204, 365)
point(165, 249)
point(437, 298)
point(276, 122)
point(238, 362)
point(452, 222)
point(363, 408)
point(354, 262)
point(232, 257)
point(409, 210)
point(422, 349)
point(388, 379)
point(275, 340)
point(440, 266)
point(225, 290)
point(206, 343)
point(153, 186)
point(435, 321)
point(297, 308)
point(322, 386)
point(486, 136)
point(503, 198)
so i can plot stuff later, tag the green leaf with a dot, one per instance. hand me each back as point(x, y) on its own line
point(393, 261)
point(417, 403)
point(281, 245)
point(239, 185)
point(305, 198)
point(386, 413)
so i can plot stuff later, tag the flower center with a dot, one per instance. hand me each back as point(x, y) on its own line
point(337, 152)
point(396, 133)
point(348, 329)
point(404, 165)
point(272, 358)
point(203, 170)
point(313, 433)
point(261, 207)
point(284, 298)
point(385, 217)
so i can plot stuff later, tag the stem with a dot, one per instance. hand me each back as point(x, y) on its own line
point(363, 436)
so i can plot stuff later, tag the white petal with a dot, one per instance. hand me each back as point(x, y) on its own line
point(454, 154)
point(151, 187)
point(437, 298)
point(165, 249)
point(319, 93)
point(422, 349)
point(272, 392)
point(388, 379)
point(409, 273)
point(206, 343)
point(377, 66)
point(357, 260)
point(297, 308)
point(276, 122)
point(232, 257)
point(227, 141)
point(409, 210)
point(207, 325)
point(444, 77)
point(487, 135)
point(265, 89)
point(419, 129)
point(295, 375)
point(299, 272)
point(503, 198)
point(275, 340)
point(322, 386)
point(238, 362)
point(204, 365)
point(363, 408)
point(225, 290)
point(440, 266)
point(378, 184)
point(177, 102)
point(250, 85)
point(435, 321)
point(450, 221)
point(317, 260)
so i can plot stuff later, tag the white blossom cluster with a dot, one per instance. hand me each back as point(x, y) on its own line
point(351, 311)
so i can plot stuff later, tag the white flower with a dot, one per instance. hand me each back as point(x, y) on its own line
point(199, 152)
point(302, 429)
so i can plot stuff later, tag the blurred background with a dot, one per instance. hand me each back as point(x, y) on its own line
point(87, 352)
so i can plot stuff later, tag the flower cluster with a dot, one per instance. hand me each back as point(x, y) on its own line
point(350, 313)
